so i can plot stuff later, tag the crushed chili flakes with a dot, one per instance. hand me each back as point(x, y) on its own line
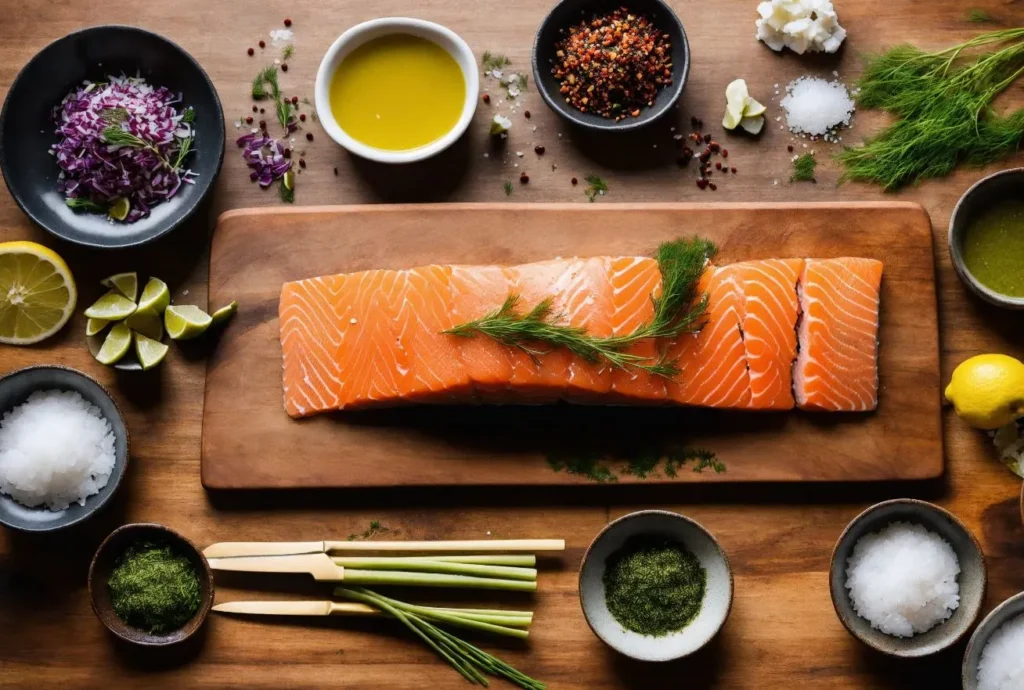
point(613, 65)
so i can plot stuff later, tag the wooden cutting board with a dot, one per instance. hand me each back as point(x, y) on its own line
point(250, 443)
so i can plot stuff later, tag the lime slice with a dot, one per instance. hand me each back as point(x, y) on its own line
point(754, 125)
point(149, 325)
point(150, 352)
point(112, 306)
point(155, 297)
point(735, 99)
point(119, 209)
point(95, 326)
point(125, 283)
point(752, 108)
point(37, 293)
point(185, 322)
point(224, 313)
point(730, 121)
point(115, 345)
point(289, 180)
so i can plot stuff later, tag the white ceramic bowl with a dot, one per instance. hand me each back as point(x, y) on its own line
point(387, 26)
point(717, 597)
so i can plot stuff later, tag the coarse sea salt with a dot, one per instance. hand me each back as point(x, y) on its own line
point(1002, 661)
point(281, 35)
point(816, 106)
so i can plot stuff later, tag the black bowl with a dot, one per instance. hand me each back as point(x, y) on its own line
point(569, 12)
point(15, 388)
point(26, 129)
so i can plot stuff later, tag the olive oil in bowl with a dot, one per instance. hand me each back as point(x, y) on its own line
point(993, 247)
point(398, 92)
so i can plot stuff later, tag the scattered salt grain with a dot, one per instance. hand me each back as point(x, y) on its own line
point(902, 579)
point(278, 36)
point(1002, 661)
point(816, 106)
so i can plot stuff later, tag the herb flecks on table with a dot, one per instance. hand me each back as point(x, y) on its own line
point(375, 528)
point(654, 586)
point(645, 464)
point(595, 187)
point(803, 168)
point(677, 310)
point(943, 104)
point(154, 588)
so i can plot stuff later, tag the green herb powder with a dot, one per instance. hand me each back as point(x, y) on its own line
point(994, 248)
point(154, 588)
point(654, 586)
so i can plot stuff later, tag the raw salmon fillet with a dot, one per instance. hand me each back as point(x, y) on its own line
point(837, 368)
point(713, 362)
point(634, 281)
point(769, 316)
point(476, 291)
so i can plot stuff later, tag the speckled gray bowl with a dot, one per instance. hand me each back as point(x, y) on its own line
point(15, 388)
point(972, 579)
point(1011, 608)
point(717, 598)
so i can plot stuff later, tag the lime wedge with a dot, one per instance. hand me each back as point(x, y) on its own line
point(752, 108)
point(185, 322)
point(730, 121)
point(149, 351)
point(754, 125)
point(112, 306)
point(224, 313)
point(95, 326)
point(115, 345)
point(155, 297)
point(125, 283)
point(149, 325)
point(289, 180)
point(119, 209)
point(735, 99)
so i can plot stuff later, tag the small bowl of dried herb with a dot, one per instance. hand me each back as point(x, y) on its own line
point(655, 586)
point(608, 66)
point(150, 585)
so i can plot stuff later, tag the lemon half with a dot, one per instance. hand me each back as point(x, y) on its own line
point(37, 293)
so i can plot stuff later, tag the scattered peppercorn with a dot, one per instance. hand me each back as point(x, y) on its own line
point(302, 117)
point(295, 100)
point(335, 172)
point(714, 146)
point(486, 97)
point(524, 178)
point(251, 52)
point(255, 109)
point(302, 162)
point(713, 186)
point(262, 111)
point(248, 120)
point(789, 148)
point(574, 182)
point(725, 153)
point(263, 44)
point(309, 136)
point(697, 122)
point(287, 153)
point(539, 150)
point(734, 171)
point(284, 66)
point(707, 138)
point(526, 114)
point(263, 124)
point(613, 64)
point(702, 183)
point(287, 22)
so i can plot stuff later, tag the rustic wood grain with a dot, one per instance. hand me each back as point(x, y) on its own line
point(782, 631)
point(247, 436)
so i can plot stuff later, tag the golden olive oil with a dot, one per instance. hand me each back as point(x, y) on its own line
point(993, 248)
point(398, 92)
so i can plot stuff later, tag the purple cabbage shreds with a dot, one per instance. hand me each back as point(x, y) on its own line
point(265, 158)
point(122, 139)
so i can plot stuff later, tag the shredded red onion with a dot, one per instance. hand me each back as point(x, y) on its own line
point(265, 158)
point(147, 172)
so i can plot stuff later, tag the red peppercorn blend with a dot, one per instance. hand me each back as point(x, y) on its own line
point(613, 65)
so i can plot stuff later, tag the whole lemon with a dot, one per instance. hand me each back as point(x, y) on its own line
point(988, 390)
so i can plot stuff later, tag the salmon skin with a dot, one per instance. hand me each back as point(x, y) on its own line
point(778, 333)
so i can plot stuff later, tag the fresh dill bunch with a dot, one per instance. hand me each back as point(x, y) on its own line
point(803, 168)
point(943, 102)
point(595, 187)
point(490, 61)
point(678, 309)
point(508, 187)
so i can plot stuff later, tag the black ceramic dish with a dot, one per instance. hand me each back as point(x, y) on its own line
point(103, 565)
point(1002, 614)
point(15, 388)
point(26, 129)
point(1000, 186)
point(569, 12)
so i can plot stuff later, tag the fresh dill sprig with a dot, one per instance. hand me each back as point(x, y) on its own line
point(595, 187)
point(490, 61)
point(266, 78)
point(83, 204)
point(189, 115)
point(678, 309)
point(942, 102)
point(979, 16)
point(183, 150)
point(508, 187)
point(803, 168)
point(287, 51)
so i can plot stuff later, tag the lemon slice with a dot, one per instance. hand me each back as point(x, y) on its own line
point(149, 325)
point(155, 297)
point(37, 293)
point(185, 322)
point(753, 125)
point(224, 313)
point(150, 352)
point(115, 345)
point(95, 326)
point(735, 101)
point(119, 209)
point(125, 283)
point(112, 306)
point(752, 108)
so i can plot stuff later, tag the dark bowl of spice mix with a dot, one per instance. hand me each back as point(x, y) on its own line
point(606, 66)
point(150, 585)
point(655, 586)
point(986, 238)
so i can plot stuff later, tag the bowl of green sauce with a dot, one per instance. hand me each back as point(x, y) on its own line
point(150, 585)
point(655, 586)
point(986, 238)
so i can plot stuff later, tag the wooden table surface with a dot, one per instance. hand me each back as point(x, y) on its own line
point(782, 629)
